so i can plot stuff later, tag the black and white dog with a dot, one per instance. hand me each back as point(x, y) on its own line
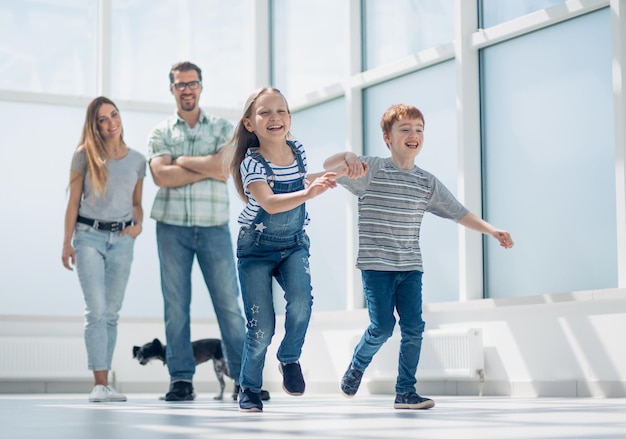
point(203, 350)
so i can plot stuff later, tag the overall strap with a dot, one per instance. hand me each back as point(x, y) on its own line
point(268, 169)
point(299, 160)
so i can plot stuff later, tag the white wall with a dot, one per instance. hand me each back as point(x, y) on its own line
point(566, 345)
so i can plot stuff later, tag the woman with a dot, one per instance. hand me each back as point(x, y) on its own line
point(104, 216)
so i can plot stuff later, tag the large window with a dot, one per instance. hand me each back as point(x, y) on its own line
point(328, 212)
point(149, 36)
point(53, 46)
point(432, 91)
point(549, 159)
point(399, 28)
point(309, 44)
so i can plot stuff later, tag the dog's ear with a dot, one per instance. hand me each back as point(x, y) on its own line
point(135, 350)
point(157, 342)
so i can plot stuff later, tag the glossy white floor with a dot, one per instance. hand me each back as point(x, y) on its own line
point(310, 416)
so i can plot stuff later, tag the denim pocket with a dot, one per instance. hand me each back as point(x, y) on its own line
point(245, 241)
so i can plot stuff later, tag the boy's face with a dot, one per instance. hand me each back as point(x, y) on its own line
point(405, 139)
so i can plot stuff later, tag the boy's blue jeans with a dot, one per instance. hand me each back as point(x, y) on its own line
point(212, 246)
point(261, 258)
point(384, 292)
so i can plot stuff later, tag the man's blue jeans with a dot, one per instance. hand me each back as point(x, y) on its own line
point(212, 246)
point(384, 292)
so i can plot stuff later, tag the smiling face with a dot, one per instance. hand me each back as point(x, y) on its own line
point(109, 122)
point(270, 118)
point(405, 140)
point(186, 99)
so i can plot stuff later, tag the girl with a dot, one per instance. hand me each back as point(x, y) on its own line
point(270, 175)
point(104, 216)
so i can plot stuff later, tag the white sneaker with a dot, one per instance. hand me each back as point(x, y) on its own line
point(114, 395)
point(99, 394)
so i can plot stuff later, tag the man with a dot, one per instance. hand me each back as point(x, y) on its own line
point(191, 210)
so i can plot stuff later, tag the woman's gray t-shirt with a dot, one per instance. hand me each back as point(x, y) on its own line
point(116, 204)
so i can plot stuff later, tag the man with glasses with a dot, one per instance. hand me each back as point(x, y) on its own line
point(192, 213)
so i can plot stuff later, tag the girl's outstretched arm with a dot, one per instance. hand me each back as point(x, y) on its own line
point(275, 203)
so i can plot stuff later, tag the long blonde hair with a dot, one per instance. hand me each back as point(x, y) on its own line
point(243, 139)
point(92, 142)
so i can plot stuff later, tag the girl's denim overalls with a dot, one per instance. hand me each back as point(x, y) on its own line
point(274, 245)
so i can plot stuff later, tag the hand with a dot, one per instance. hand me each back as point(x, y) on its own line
point(68, 256)
point(503, 237)
point(356, 168)
point(133, 230)
point(321, 184)
point(350, 166)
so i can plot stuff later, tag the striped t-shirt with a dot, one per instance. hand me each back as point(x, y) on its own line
point(252, 170)
point(392, 203)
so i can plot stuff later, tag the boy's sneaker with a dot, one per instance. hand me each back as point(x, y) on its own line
point(250, 401)
point(99, 394)
point(412, 401)
point(293, 381)
point(351, 381)
point(180, 391)
point(114, 395)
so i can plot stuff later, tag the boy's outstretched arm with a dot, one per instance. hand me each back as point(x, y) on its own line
point(472, 221)
point(346, 164)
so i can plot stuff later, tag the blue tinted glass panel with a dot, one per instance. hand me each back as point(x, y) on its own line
point(549, 159)
point(328, 212)
point(498, 11)
point(398, 28)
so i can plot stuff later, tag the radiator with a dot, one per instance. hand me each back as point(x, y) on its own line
point(43, 358)
point(446, 354)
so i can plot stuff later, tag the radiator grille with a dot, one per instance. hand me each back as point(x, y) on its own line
point(42, 357)
point(445, 353)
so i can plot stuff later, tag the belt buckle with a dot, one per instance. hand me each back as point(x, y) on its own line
point(115, 227)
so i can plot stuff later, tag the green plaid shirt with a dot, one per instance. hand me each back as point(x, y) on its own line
point(204, 203)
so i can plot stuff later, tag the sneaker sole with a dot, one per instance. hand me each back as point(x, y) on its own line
point(98, 400)
point(251, 410)
point(421, 406)
point(347, 395)
point(178, 399)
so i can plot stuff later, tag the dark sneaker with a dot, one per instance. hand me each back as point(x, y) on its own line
point(250, 401)
point(180, 391)
point(351, 381)
point(293, 381)
point(265, 395)
point(412, 401)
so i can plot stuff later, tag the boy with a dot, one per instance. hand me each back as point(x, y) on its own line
point(394, 195)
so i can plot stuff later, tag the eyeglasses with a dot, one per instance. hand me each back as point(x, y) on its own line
point(193, 85)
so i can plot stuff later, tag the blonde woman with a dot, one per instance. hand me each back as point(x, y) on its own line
point(103, 217)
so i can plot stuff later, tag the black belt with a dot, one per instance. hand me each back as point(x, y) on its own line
point(100, 225)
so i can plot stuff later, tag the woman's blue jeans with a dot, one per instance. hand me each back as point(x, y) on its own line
point(260, 258)
point(213, 248)
point(386, 291)
point(103, 261)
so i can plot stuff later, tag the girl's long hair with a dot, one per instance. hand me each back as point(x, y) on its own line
point(244, 139)
point(93, 143)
